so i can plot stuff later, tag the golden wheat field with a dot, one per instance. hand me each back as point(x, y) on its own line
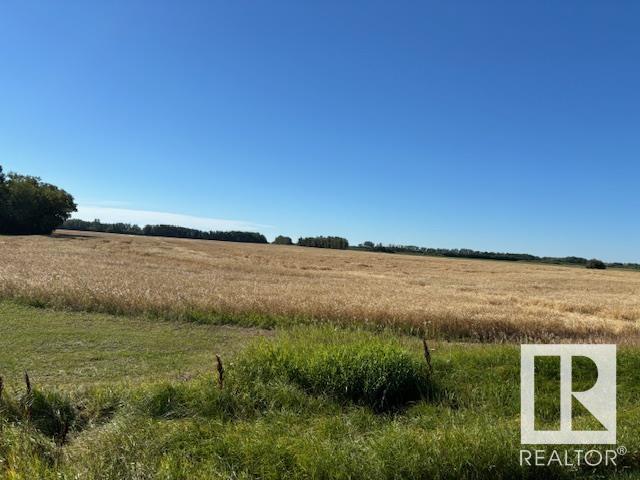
point(208, 280)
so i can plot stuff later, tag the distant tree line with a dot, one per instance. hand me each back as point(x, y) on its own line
point(97, 226)
point(163, 231)
point(513, 257)
point(30, 206)
point(634, 266)
point(324, 242)
point(182, 232)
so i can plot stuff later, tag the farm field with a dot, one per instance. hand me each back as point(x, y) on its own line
point(324, 373)
point(267, 285)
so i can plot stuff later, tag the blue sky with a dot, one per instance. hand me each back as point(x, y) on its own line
point(507, 126)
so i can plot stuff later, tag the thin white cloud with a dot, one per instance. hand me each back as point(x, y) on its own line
point(148, 217)
point(110, 203)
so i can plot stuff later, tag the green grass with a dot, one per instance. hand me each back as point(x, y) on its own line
point(68, 349)
point(362, 368)
point(307, 403)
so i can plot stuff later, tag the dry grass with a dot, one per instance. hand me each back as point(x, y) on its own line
point(485, 300)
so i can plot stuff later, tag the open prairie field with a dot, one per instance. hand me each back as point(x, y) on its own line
point(266, 285)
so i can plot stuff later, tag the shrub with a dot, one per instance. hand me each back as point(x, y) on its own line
point(595, 263)
point(354, 367)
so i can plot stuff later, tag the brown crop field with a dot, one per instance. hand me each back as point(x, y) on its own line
point(225, 282)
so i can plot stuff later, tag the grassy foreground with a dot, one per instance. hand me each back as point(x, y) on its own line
point(76, 349)
point(307, 403)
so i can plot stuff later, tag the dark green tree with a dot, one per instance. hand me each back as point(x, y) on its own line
point(30, 206)
point(3, 197)
point(282, 240)
point(324, 242)
point(595, 263)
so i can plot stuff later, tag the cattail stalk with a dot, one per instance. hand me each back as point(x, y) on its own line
point(427, 354)
point(28, 396)
point(220, 369)
point(27, 381)
point(65, 432)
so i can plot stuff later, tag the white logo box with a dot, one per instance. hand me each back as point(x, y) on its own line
point(600, 399)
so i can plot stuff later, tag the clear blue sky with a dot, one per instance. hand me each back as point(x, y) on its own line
point(508, 126)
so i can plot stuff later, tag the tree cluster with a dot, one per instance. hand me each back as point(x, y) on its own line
point(282, 240)
point(324, 242)
point(29, 206)
point(595, 263)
